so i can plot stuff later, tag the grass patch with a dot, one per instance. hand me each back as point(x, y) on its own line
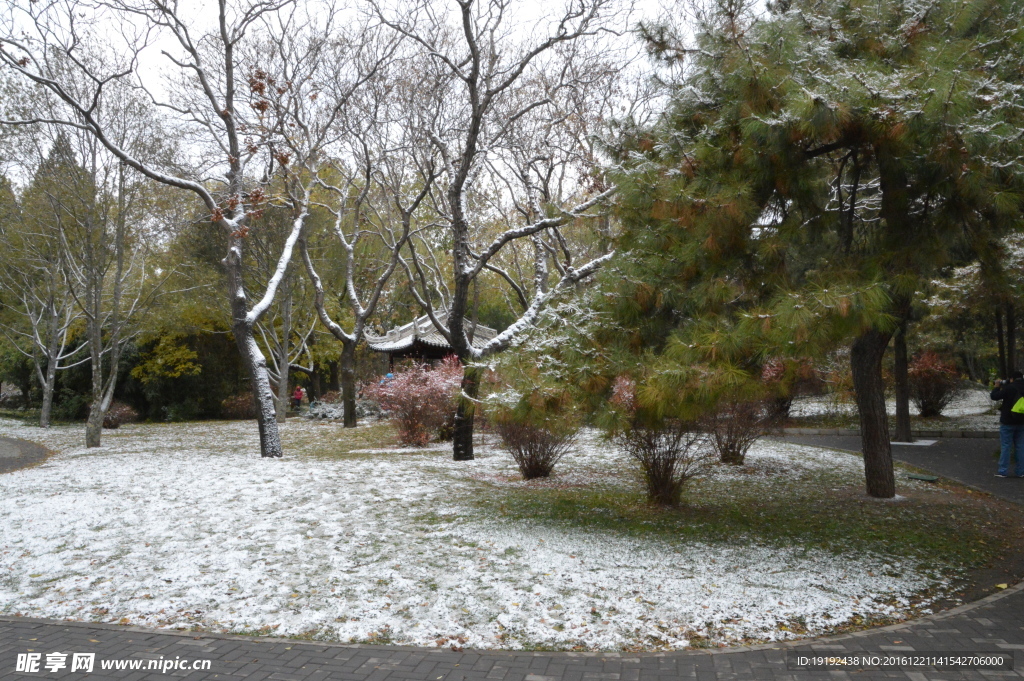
point(29, 416)
point(331, 441)
point(947, 527)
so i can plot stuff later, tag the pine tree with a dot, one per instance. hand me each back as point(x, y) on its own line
point(812, 166)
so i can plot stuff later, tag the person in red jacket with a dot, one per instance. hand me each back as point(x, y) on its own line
point(297, 397)
point(1011, 424)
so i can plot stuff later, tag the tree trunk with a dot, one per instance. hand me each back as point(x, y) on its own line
point(902, 380)
point(256, 365)
point(869, 389)
point(333, 379)
point(94, 425)
point(94, 422)
point(252, 357)
point(284, 355)
point(348, 383)
point(462, 433)
point(282, 396)
point(1002, 345)
point(51, 379)
point(1011, 339)
point(98, 408)
point(315, 382)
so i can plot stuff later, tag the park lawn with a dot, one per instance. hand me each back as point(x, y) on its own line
point(352, 538)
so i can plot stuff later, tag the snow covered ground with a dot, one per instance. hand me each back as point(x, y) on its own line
point(974, 403)
point(185, 526)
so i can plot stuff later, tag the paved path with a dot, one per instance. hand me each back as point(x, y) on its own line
point(994, 625)
point(15, 454)
point(968, 460)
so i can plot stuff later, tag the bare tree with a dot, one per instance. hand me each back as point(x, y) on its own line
point(106, 263)
point(54, 46)
point(497, 91)
point(383, 187)
point(286, 340)
point(338, 151)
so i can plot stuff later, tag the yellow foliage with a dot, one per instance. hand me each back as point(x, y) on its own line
point(167, 359)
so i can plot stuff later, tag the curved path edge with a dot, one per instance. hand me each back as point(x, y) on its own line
point(803, 642)
point(16, 454)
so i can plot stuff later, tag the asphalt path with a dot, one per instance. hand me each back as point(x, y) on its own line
point(971, 461)
point(15, 454)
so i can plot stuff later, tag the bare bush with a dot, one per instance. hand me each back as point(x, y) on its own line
point(421, 399)
point(934, 383)
point(668, 456)
point(535, 449)
point(118, 414)
point(837, 383)
point(735, 425)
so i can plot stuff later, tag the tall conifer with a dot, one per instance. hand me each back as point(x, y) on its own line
point(812, 166)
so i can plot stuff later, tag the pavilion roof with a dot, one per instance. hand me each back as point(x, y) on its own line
point(422, 329)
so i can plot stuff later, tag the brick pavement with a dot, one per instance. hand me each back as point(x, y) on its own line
point(994, 624)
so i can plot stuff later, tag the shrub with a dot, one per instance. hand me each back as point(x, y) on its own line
point(118, 414)
point(70, 406)
point(238, 407)
point(182, 411)
point(934, 383)
point(734, 425)
point(836, 382)
point(668, 455)
point(788, 379)
point(535, 448)
point(420, 398)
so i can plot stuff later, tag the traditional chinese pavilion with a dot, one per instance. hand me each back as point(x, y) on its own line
point(421, 341)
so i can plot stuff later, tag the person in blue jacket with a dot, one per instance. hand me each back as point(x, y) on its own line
point(1011, 424)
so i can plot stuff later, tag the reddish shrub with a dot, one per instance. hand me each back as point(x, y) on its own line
point(934, 383)
point(788, 379)
point(238, 407)
point(624, 394)
point(420, 398)
point(330, 397)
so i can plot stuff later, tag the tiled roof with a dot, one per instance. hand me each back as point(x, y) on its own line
point(422, 330)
